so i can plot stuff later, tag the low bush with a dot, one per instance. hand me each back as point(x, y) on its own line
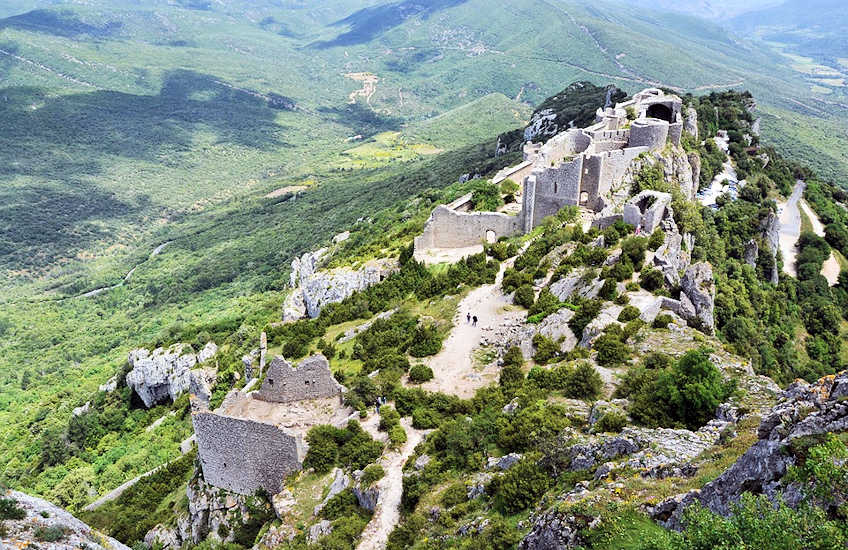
point(350, 447)
point(397, 436)
point(546, 349)
point(521, 486)
point(10, 509)
point(372, 474)
point(52, 533)
point(663, 320)
point(420, 373)
point(524, 296)
point(628, 314)
point(651, 279)
point(456, 493)
point(612, 422)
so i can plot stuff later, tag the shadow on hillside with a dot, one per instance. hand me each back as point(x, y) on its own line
point(361, 119)
point(63, 23)
point(64, 141)
point(368, 23)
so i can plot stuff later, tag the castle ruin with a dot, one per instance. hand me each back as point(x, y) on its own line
point(255, 439)
point(577, 167)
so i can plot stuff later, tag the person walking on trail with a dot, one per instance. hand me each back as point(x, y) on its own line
point(467, 317)
point(474, 321)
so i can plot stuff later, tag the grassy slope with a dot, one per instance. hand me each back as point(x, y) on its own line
point(146, 145)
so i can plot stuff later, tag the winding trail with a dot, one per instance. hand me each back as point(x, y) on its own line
point(387, 514)
point(790, 230)
point(453, 366)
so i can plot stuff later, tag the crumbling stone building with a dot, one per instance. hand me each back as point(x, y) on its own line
point(577, 167)
point(255, 439)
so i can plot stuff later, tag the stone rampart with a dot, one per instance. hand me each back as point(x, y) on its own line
point(312, 379)
point(650, 133)
point(448, 228)
point(566, 144)
point(245, 455)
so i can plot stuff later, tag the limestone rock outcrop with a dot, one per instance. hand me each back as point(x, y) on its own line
point(698, 290)
point(555, 530)
point(690, 122)
point(167, 373)
point(366, 496)
point(313, 288)
point(804, 410)
point(209, 508)
point(341, 481)
point(43, 514)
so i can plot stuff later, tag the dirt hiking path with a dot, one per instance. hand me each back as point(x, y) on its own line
point(387, 514)
point(453, 367)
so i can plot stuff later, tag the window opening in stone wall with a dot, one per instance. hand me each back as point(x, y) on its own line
point(491, 237)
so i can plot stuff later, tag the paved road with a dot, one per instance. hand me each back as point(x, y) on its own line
point(790, 228)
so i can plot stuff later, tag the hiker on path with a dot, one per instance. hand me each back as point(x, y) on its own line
point(467, 317)
point(474, 321)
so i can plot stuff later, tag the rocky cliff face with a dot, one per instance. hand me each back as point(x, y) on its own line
point(679, 167)
point(314, 288)
point(41, 514)
point(804, 410)
point(212, 512)
point(167, 373)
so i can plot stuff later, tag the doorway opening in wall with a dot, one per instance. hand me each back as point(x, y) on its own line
point(491, 237)
point(659, 111)
point(584, 197)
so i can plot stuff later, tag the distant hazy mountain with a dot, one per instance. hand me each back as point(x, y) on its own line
point(709, 9)
point(815, 28)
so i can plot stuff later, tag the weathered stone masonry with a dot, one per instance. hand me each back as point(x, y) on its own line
point(577, 167)
point(311, 379)
point(254, 440)
point(244, 455)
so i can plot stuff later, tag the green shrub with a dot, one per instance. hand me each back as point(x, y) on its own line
point(651, 279)
point(486, 196)
point(372, 474)
point(349, 447)
point(389, 417)
point(509, 187)
point(687, 394)
point(609, 290)
point(657, 239)
point(397, 436)
point(546, 349)
point(585, 382)
point(612, 422)
point(663, 320)
point(524, 296)
point(611, 349)
point(426, 341)
point(425, 418)
point(628, 314)
point(52, 533)
point(420, 373)
point(587, 310)
point(10, 509)
point(513, 357)
point(521, 486)
point(545, 304)
point(511, 378)
point(456, 493)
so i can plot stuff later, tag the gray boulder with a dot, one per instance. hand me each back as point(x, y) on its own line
point(502, 462)
point(319, 531)
point(366, 496)
point(751, 253)
point(165, 373)
point(556, 530)
point(340, 482)
point(699, 287)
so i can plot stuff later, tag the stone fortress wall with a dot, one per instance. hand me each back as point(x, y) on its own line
point(577, 167)
point(311, 379)
point(453, 226)
point(254, 440)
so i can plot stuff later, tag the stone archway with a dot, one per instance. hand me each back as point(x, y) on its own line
point(491, 237)
point(660, 111)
